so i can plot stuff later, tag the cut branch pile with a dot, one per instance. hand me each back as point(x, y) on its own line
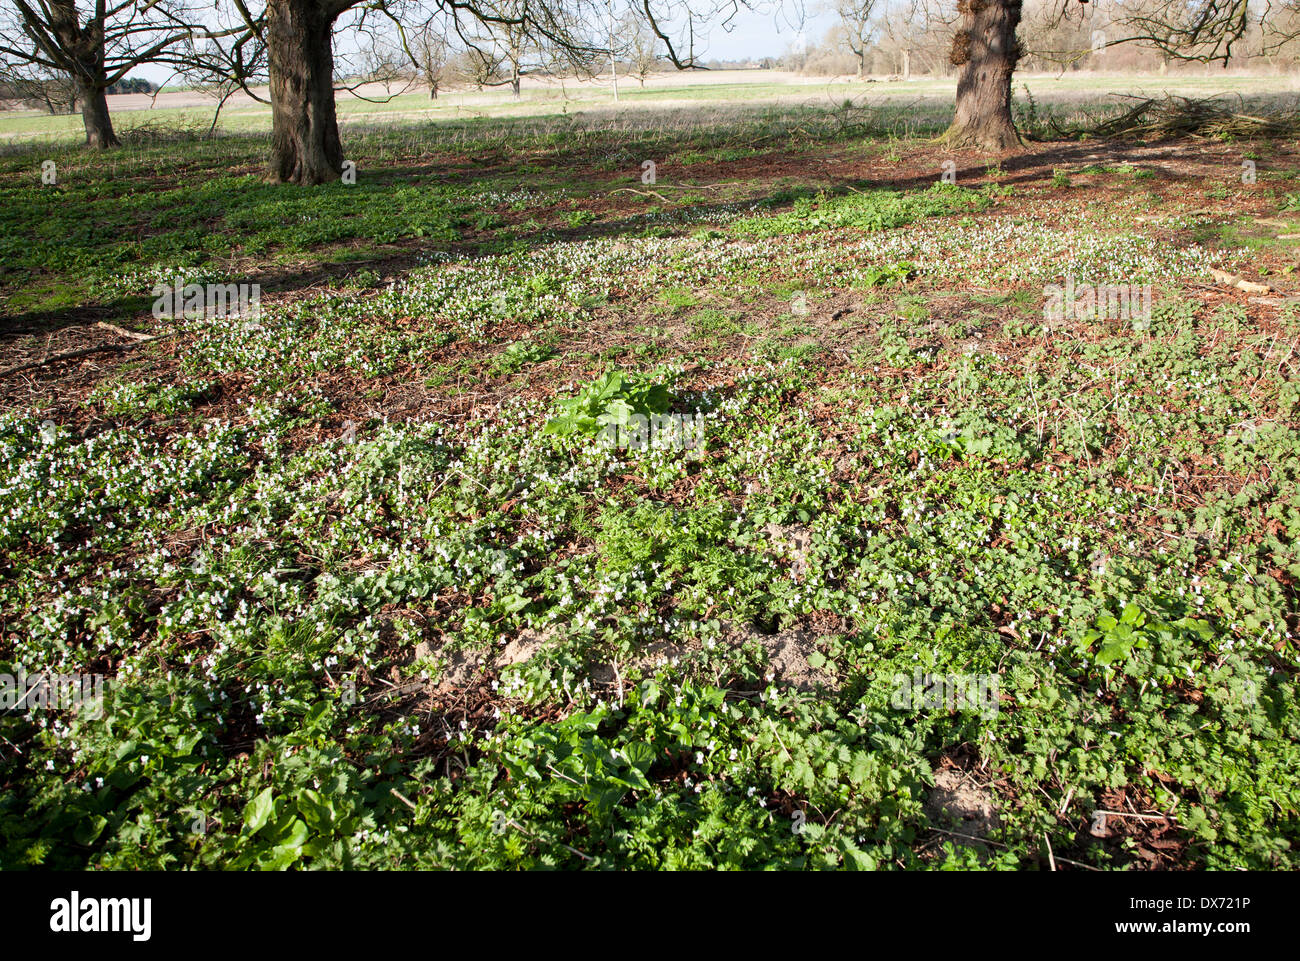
point(1211, 118)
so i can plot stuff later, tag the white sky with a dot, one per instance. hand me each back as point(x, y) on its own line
point(756, 35)
point(750, 35)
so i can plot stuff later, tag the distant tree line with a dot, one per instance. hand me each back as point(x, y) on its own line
point(58, 95)
point(903, 38)
point(132, 85)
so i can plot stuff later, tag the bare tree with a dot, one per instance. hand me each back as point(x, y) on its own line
point(642, 47)
point(431, 53)
point(1209, 31)
point(503, 40)
point(858, 28)
point(985, 51)
point(383, 61)
point(915, 30)
point(289, 44)
point(37, 87)
point(503, 46)
point(94, 45)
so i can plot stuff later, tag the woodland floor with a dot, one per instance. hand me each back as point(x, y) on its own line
point(358, 606)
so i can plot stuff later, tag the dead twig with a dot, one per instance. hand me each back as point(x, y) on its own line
point(640, 193)
point(83, 352)
point(123, 332)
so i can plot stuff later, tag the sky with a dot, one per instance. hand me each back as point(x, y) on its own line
point(751, 34)
point(755, 34)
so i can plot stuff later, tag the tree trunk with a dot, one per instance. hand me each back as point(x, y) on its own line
point(986, 50)
point(433, 91)
point(94, 115)
point(907, 64)
point(305, 146)
point(514, 83)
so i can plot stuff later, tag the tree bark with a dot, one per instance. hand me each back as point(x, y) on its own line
point(94, 116)
point(305, 145)
point(986, 50)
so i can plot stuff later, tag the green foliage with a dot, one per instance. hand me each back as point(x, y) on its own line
point(609, 400)
point(309, 548)
point(522, 353)
point(870, 210)
point(1133, 630)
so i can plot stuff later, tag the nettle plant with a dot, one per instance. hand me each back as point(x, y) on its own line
point(1139, 640)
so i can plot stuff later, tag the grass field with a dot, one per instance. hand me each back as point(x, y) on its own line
point(924, 99)
point(940, 581)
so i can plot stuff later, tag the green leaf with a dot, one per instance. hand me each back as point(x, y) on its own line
point(514, 603)
point(89, 828)
point(640, 756)
point(258, 811)
point(1113, 650)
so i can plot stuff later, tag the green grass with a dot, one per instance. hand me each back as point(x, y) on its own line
point(93, 243)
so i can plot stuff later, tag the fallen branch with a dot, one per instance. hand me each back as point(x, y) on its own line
point(1275, 301)
point(123, 332)
point(726, 183)
point(1241, 283)
point(640, 193)
point(83, 352)
point(1210, 118)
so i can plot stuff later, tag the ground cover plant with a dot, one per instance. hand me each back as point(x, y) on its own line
point(951, 582)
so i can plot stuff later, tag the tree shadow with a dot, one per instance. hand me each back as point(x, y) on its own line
point(1021, 168)
point(48, 323)
point(1018, 168)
